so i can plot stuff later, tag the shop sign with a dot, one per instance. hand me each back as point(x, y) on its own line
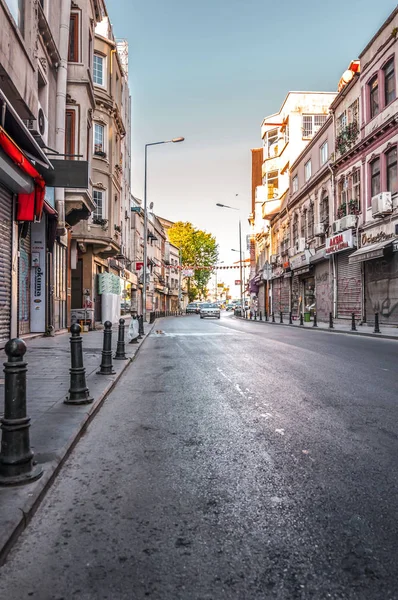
point(267, 272)
point(382, 234)
point(340, 242)
point(278, 272)
point(300, 260)
point(38, 278)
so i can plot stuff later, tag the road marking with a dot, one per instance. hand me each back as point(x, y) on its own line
point(241, 392)
point(193, 334)
point(224, 375)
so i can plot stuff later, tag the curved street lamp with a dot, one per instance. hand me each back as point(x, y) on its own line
point(144, 278)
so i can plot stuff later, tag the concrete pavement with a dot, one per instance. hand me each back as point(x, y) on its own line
point(55, 426)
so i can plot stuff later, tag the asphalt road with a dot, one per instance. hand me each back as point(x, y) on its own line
point(234, 460)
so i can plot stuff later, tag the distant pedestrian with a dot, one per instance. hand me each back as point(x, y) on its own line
point(133, 332)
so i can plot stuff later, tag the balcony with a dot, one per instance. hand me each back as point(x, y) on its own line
point(347, 138)
point(98, 235)
point(270, 208)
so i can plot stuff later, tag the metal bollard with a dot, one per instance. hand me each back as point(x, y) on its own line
point(106, 367)
point(255, 315)
point(377, 327)
point(330, 321)
point(273, 317)
point(266, 316)
point(78, 391)
point(261, 316)
point(281, 317)
point(121, 346)
point(353, 325)
point(16, 457)
point(301, 320)
point(315, 323)
point(290, 318)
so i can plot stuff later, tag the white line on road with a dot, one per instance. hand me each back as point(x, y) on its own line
point(190, 334)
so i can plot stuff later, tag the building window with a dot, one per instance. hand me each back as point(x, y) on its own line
point(70, 133)
point(375, 177)
point(312, 124)
point(324, 153)
point(98, 70)
point(356, 188)
point(389, 82)
point(270, 143)
point(295, 184)
point(308, 170)
point(74, 37)
point(272, 183)
point(99, 140)
point(99, 211)
point(324, 211)
point(295, 229)
point(17, 10)
point(303, 224)
point(311, 220)
point(391, 162)
point(374, 97)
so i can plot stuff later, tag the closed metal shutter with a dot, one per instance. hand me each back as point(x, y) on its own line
point(276, 295)
point(295, 296)
point(5, 264)
point(323, 297)
point(24, 262)
point(348, 287)
point(285, 295)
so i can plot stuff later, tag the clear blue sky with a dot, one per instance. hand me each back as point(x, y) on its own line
point(210, 70)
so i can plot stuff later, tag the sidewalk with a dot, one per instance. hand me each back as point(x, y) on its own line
point(55, 426)
point(339, 326)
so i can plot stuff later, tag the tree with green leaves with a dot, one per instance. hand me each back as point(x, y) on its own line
point(198, 249)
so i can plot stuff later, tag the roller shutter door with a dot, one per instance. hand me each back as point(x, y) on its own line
point(348, 287)
point(5, 264)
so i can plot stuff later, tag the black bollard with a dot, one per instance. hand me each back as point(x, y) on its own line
point(301, 320)
point(121, 347)
point(106, 367)
point(353, 325)
point(290, 318)
point(330, 321)
point(273, 317)
point(78, 391)
point(261, 316)
point(281, 317)
point(16, 458)
point(377, 328)
point(255, 315)
point(315, 323)
point(266, 316)
point(141, 330)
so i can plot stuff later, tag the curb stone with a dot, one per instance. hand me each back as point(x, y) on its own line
point(39, 488)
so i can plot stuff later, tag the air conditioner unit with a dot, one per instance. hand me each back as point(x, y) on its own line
point(292, 252)
point(348, 222)
point(273, 259)
point(300, 245)
point(319, 229)
point(382, 204)
point(336, 226)
point(39, 127)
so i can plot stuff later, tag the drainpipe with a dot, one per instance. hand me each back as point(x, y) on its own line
point(333, 256)
point(60, 107)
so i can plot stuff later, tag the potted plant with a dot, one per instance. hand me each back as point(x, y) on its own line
point(102, 222)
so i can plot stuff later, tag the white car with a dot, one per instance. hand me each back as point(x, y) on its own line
point(209, 310)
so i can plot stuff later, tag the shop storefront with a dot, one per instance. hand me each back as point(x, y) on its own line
point(303, 284)
point(24, 266)
point(281, 289)
point(348, 275)
point(379, 256)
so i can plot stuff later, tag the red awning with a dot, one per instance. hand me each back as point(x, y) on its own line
point(30, 206)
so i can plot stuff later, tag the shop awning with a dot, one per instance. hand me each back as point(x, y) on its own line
point(18, 131)
point(370, 252)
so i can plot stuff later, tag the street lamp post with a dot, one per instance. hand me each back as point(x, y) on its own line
point(240, 251)
point(144, 278)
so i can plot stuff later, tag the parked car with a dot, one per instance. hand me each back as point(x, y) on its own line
point(192, 307)
point(230, 306)
point(209, 310)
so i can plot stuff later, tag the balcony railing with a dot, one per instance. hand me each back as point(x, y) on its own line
point(347, 137)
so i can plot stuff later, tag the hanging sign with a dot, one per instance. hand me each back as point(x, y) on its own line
point(38, 278)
